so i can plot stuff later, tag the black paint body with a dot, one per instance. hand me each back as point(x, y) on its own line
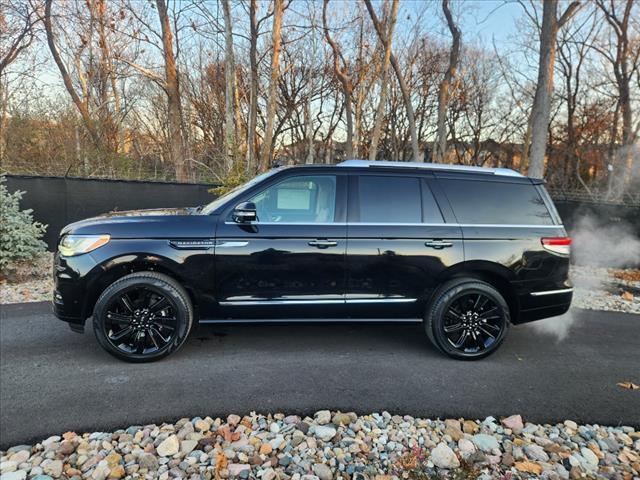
point(270, 271)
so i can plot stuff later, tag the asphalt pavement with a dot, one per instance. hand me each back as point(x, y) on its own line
point(53, 380)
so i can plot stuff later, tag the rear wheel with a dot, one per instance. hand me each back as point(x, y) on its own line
point(143, 317)
point(468, 319)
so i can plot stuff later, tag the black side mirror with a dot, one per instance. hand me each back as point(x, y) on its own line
point(245, 212)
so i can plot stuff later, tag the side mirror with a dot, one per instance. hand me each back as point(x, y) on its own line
point(245, 212)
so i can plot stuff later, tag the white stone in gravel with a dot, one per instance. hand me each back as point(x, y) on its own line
point(571, 424)
point(536, 452)
point(590, 457)
point(442, 456)
point(169, 447)
point(274, 428)
point(20, 457)
point(484, 442)
point(236, 468)
point(53, 468)
point(466, 447)
point(322, 471)
point(322, 417)
point(324, 433)
point(233, 420)
point(187, 446)
point(269, 474)
point(8, 466)
point(19, 475)
point(50, 440)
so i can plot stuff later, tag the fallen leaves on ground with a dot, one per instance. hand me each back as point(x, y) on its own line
point(629, 385)
point(628, 275)
point(628, 296)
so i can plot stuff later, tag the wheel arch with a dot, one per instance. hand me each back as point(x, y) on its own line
point(115, 268)
point(496, 275)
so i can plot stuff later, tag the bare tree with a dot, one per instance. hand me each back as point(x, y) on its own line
point(440, 144)
point(375, 136)
point(341, 70)
point(415, 148)
point(625, 64)
point(230, 86)
point(253, 85)
point(82, 104)
point(265, 158)
point(541, 111)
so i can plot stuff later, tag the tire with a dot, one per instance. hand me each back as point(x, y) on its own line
point(452, 313)
point(142, 317)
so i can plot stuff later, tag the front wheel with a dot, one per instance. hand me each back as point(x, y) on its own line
point(468, 319)
point(142, 317)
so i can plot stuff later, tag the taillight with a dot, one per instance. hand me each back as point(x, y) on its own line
point(560, 245)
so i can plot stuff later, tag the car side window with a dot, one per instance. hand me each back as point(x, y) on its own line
point(496, 203)
point(389, 199)
point(300, 199)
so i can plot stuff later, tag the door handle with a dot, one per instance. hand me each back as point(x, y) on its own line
point(322, 243)
point(438, 244)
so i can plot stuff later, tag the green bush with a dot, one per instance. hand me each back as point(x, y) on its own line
point(20, 235)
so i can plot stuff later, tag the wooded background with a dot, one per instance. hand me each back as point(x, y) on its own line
point(216, 91)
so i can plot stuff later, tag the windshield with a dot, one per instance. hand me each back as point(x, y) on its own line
point(234, 192)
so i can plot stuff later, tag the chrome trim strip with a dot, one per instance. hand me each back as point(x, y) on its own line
point(383, 224)
point(230, 244)
point(248, 321)
point(238, 303)
point(551, 292)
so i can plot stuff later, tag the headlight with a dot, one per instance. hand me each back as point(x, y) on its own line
point(78, 244)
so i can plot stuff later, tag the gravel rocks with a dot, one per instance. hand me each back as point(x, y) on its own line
point(378, 446)
point(605, 289)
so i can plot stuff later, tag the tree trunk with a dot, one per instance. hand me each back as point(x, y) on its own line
point(377, 128)
point(309, 130)
point(343, 77)
point(229, 76)
point(253, 88)
point(265, 158)
point(541, 111)
point(440, 146)
point(80, 104)
point(172, 89)
point(415, 148)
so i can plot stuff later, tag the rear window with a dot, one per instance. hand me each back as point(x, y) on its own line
point(496, 203)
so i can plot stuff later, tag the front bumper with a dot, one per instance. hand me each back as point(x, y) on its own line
point(70, 292)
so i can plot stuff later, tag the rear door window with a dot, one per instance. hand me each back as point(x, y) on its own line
point(395, 199)
point(496, 203)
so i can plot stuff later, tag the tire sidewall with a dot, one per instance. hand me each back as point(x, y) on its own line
point(158, 284)
point(443, 298)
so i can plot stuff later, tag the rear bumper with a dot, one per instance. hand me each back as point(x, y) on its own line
point(546, 303)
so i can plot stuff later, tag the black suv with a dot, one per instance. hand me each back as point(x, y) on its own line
point(466, 250)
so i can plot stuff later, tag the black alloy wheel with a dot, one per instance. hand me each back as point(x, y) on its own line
point(467, 319)
point(142, 317)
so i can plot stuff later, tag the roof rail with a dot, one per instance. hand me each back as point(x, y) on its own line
point(430, 166)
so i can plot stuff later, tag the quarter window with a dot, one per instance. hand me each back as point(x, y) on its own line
point(496, 203)
point(303, 199)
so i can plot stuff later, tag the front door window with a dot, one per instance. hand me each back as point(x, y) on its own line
point(301, 199)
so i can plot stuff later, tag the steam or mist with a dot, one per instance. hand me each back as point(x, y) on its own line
point(611, 246)
point(596, 245)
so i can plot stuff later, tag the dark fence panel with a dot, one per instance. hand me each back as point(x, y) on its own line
point(599, 214)
point(58, 201)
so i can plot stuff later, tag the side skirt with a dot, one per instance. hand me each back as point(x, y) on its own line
point(206, 321)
